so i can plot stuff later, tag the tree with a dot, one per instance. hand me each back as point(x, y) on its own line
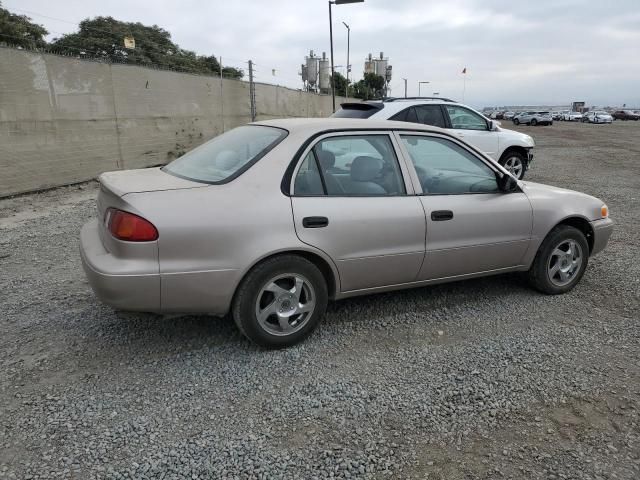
point(370, 87)
point(104, 37)
point(340, 84)
point(19, 30)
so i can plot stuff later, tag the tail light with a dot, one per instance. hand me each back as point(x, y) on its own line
point(130, 227)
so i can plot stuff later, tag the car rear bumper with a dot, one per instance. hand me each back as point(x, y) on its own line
point(110, 279)
point(602, 230)
point(137, 284)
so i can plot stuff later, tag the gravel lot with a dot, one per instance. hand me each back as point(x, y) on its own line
point(474, 380)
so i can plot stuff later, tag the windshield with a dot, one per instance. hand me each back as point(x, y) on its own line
point(226, 156)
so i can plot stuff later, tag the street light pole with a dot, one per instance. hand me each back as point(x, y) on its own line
point(348, 64)
point(333, 86)
point(335, 2)
point(405, 87)
point(420, 83)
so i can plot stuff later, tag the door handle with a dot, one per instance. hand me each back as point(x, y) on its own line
point(441, 215)
point(315, 222)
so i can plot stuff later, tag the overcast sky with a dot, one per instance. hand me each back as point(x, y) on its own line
point(515, 52)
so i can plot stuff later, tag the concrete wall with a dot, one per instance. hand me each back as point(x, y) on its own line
point(64, 120)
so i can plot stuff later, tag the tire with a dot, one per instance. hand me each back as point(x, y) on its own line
point(540, 276)
point(272, 286)
point(515, 162)
point(516, 121)
point(534, 122)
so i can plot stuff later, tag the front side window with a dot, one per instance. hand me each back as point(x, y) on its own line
point(445, 168)
point(226, 156)
point(355, 165)
point(465, 119)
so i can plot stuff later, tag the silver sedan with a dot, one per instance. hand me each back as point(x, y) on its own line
point(271, 220)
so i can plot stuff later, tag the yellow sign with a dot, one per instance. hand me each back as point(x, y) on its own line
point(129, 42)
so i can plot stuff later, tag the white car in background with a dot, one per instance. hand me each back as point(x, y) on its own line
point(512, 150)
point(572, 117)
point(597, 116)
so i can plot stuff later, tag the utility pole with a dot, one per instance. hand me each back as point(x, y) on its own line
point(221, 96)
point(252, 92)
point(405, 87)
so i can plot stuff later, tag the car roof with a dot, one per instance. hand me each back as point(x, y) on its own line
point(315, 125)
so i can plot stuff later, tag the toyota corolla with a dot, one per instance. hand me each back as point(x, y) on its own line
point(271, 220)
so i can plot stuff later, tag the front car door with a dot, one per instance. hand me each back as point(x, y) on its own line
point(472, 227)
point(352, 198)
point(473, 128)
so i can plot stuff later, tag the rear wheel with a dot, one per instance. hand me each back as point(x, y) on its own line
point(534, 122)
point(560, 262)
point(281, 301)
point(514, 162)
point(516, 121)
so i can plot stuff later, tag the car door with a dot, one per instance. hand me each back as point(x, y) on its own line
point(352, 199)
point(473, 128)
point(472, 227)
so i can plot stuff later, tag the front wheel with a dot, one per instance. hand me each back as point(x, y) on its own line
point(514, 162)
point(516, 121)
point(281, 301)
point(534, 122)
point(560, 262)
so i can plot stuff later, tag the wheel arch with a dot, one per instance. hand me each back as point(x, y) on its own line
point(515, 148)
point(581, 224)
point(324, 264)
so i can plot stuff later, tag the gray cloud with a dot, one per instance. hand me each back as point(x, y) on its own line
point(515, 52)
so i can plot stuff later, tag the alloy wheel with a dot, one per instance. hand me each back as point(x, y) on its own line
point(285, 304)
point(514, 165)
point(565, 262)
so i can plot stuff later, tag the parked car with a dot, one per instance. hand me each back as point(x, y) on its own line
point(508, 115)
point(597, 116)
point(270, 220)
point(497, 115)
point(625, 115)
point(563, 113)
point(513, 150)
point(572, 117)
point(556, 115)
point(533, 118)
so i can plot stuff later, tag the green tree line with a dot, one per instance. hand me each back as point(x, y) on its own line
point(103, 37)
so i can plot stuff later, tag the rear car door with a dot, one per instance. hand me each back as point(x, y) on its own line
point(473, 128)
point(472, 227)
point(352, 199)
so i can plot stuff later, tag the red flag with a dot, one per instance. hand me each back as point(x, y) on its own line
point(464, 70)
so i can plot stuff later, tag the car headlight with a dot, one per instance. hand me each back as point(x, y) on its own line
point(604, 211)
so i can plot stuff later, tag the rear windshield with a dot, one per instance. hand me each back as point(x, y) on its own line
point(226, 156)
point(356, 111)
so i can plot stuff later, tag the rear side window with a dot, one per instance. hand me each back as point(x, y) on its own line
point(430, 115)
point(353, 165)
point(357, 111)
point(406, 115)
point(228, 155)
point(308, 181)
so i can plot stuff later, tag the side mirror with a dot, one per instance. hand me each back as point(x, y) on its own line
point(506, 183)
point(493, 126)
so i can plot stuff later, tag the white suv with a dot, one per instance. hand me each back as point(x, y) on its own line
point(511, 149)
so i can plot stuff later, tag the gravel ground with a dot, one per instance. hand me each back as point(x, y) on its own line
point(474, 380)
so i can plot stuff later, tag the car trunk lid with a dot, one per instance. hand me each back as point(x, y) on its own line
point(142, 180)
